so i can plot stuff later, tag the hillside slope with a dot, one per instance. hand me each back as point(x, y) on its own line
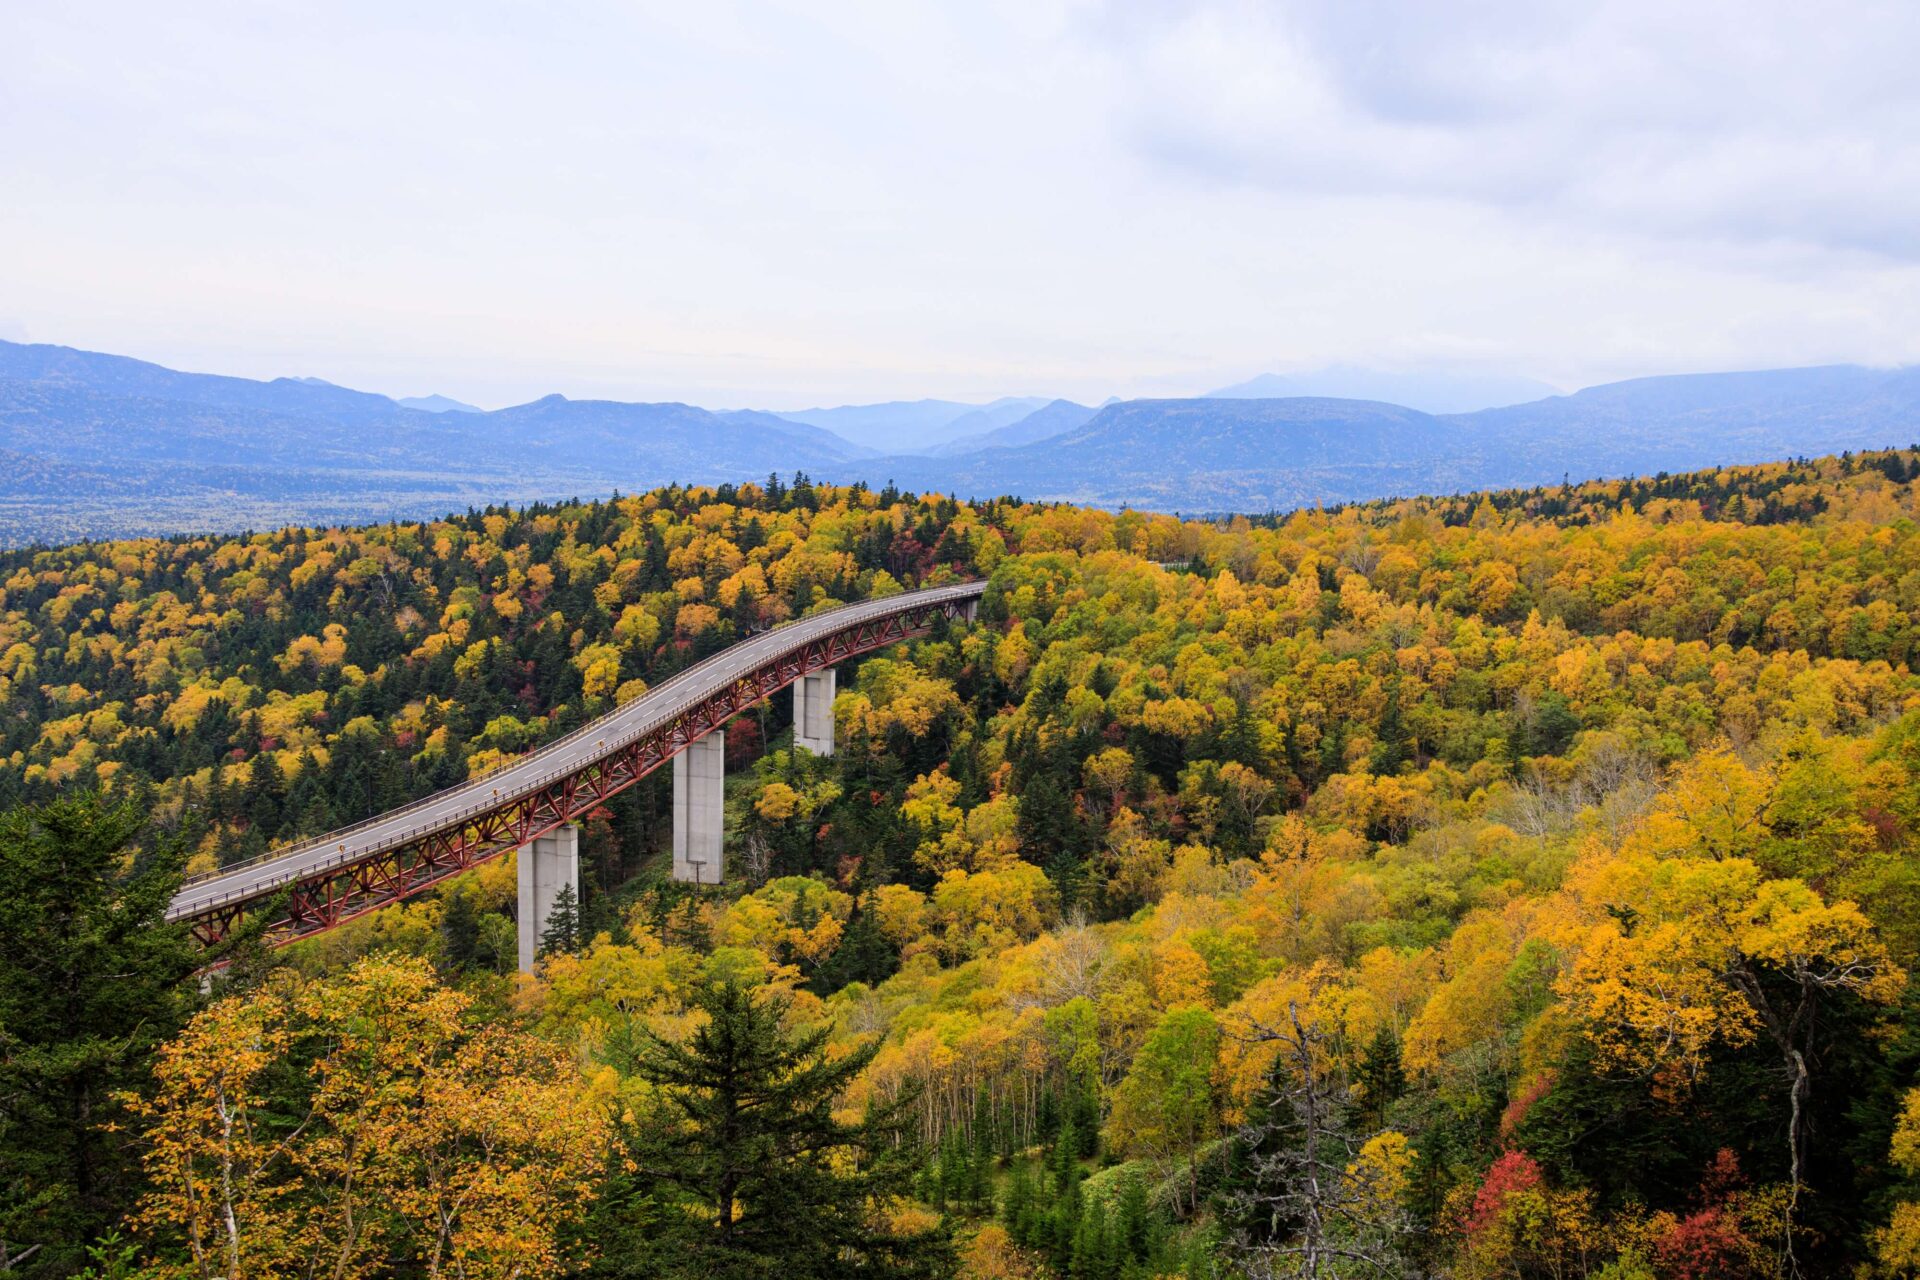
point(1573, 835)
point(1054, 418)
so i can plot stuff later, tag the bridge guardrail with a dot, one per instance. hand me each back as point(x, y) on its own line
point(520, 790)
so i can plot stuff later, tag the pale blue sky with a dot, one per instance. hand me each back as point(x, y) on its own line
point(790, 204)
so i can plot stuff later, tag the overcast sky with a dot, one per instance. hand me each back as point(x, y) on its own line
point(790, 204)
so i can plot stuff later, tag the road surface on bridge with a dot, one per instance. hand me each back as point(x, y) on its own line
point(599, 739)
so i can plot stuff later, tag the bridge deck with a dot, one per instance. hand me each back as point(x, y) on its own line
point(456, 808)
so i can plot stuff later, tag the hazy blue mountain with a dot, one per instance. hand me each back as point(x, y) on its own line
point(987, 419)
point(70, 423)
point(914, 426)
point(1693, 420)
point(1431, 392)
point(132, 447)
point(94, 444)
point(123, 376)
point(1048, 420)
point(1207, 455)
point(436, 404)
point(1241, 454)
point(640, 445)
point(898, 426)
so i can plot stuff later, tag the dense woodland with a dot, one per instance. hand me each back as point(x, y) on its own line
point(1515, 885)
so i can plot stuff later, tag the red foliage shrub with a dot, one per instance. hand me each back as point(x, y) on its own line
point(1513, 1172)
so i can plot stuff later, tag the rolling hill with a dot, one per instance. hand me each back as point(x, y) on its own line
point(1051, 419)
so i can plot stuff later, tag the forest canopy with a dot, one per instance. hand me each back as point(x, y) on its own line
point(1518, 884)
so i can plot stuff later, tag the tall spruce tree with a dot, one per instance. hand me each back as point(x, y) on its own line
point(562, 932)
point(459, 931)
point(743, 1172)
point(92, 978)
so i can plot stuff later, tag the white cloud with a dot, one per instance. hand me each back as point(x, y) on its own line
point(1711, 119)
point(789, 203)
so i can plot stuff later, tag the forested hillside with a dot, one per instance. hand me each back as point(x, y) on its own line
point(1510, 886)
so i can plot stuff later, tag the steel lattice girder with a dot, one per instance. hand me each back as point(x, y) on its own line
point(343, 892)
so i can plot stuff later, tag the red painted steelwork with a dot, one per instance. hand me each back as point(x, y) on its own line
point(335, 894)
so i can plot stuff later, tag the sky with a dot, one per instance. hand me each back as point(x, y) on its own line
point(781, 205)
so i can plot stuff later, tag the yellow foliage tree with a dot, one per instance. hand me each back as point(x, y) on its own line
point(349, 1126)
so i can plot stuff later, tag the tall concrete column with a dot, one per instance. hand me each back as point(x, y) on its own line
point(700, 810)
point(546, 865)
point(813, 712)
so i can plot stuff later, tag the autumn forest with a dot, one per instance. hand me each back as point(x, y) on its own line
point(1523, 884)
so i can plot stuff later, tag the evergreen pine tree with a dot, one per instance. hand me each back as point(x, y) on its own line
point(562, 932)
point(95, 980)
point(1240, 740)
point(1134, 1219)
point(459, 933)
point(1017, 1208)
point(266, 792)
point(1333, 749)
point(1392, 743)
point(864, 955)
point(743, 1171)
point(1381, 1077)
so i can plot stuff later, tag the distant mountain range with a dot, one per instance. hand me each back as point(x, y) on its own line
point(1213, 455)
point(1430, 392)
point(99, 445)
point(1056, 417)
point(109, 445)
point(913, 426)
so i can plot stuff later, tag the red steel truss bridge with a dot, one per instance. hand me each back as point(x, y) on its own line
point(350, 872)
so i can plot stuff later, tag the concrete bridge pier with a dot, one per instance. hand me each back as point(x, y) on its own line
point(546, 865)
point(813, 712)
point(699, 810)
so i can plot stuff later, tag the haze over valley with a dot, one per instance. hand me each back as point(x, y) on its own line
point(101, 445)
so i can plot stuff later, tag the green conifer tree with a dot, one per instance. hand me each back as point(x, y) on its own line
point(94, 980)
point(563, 923)
point(743, 1171)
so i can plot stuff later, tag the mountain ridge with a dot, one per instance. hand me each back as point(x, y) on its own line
point(1438, 392)
point(137, 439)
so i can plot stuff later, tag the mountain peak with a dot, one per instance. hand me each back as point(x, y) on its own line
point(1428, 391)
point(437, 404)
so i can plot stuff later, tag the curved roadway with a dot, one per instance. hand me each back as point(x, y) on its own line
point(598, 738)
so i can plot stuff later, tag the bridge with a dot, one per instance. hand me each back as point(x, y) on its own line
point(532, 804)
